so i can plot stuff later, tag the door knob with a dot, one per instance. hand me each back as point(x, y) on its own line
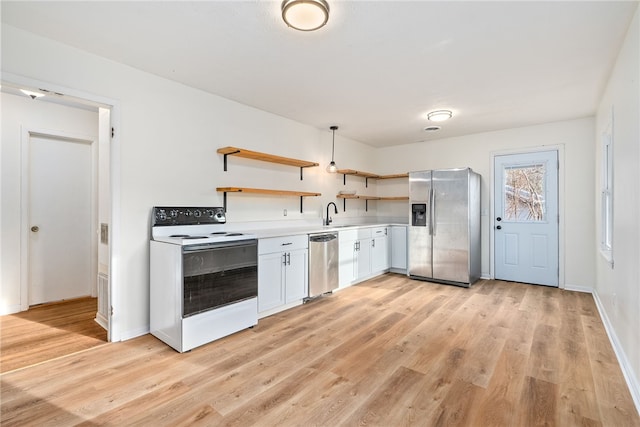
point(499, 227)
point(35, 228)
point(498, 219)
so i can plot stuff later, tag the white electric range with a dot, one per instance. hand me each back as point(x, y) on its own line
point(203, 279)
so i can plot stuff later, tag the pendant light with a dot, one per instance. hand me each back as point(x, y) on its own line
point(332, 168)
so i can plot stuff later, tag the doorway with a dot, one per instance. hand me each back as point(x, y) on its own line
point(75, 122)
point(526, 218)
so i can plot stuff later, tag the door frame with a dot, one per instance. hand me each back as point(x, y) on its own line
point(114, 332)
point(25, 197)
point(561, 211)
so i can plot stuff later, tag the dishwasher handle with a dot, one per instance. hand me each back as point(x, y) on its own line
point(321, 238)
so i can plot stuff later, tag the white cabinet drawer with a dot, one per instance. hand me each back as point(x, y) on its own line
point(280, 244)
point(364, 233)
point(346, 235)
point(378, 232)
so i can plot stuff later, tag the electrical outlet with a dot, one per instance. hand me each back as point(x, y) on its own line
point(285, 212)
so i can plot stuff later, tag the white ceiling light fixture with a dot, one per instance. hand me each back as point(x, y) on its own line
point(332, 168)
point(305, 15)
point(439, 116)
point(31, 93)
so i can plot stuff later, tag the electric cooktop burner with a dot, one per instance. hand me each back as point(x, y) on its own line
point(186, 226)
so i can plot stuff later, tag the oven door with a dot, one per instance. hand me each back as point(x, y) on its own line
point(218, 274)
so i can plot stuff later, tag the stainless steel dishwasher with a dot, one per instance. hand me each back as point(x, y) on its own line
point(323, 263)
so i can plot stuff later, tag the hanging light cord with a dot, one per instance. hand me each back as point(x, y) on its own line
point(333, 145)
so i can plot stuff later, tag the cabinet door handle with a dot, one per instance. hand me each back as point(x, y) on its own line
point(373, 243)
point(284, 259)
point(287, 244)
point(289, 258)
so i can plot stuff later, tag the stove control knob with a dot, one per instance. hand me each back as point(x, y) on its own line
point(162, 216)
point(173, 213)
point(197, 213)
point(188, 213)
point(211, 213)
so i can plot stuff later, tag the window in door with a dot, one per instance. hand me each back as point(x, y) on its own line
point(524, 192)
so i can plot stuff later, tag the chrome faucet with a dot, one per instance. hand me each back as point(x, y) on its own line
point(335, 208)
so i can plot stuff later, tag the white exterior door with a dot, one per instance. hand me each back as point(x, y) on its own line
point(60, 179)
point(526, 218)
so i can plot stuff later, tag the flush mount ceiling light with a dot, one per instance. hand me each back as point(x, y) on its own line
point(305, 15)
point(439, 116)
point(332, 168)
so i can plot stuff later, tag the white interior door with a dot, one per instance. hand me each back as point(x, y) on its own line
point(60, 177)
point(526, 218)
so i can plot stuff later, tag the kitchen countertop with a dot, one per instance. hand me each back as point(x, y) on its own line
point(266, 233)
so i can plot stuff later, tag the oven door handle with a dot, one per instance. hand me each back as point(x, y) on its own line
point(219, 245)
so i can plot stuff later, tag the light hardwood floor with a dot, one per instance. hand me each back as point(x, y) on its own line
point(48, 331)
point(389, 352)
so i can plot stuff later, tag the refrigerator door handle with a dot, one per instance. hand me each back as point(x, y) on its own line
point(432, 214)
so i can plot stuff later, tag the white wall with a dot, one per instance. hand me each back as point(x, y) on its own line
point(618, 288)
point(20, 112)
point(168, 135)
point(475, 151)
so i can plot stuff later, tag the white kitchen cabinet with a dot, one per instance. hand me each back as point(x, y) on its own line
point(346, 257)
point(270, 281)
point(379, 249)
point(282, 273)
point(363, 252)
point(399, 248)
point(296, 277)
point(363, 258)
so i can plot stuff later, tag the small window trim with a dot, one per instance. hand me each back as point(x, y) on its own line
point(607, 193)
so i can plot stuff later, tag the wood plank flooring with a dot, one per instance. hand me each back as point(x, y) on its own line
point(48, 331)
point(387, 352)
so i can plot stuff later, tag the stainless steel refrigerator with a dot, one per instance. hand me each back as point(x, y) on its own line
point(444, 226)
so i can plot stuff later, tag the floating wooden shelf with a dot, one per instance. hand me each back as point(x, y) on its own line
point(366, 199)
point(301, 194)
point(393, 176)
point(395, 198)
point(357, 173)
point(368, 175)
point(264, 157)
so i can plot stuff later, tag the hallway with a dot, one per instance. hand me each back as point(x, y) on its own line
point(49, 331)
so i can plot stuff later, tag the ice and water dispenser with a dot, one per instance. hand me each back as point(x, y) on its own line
point(419, 214)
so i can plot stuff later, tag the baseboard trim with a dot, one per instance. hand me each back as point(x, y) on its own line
point(102, 321)
point(576, 288)
point(627, 369)
point(135, 333)
point(10, 309)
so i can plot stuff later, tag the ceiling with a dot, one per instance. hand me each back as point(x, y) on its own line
point(375, 69)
